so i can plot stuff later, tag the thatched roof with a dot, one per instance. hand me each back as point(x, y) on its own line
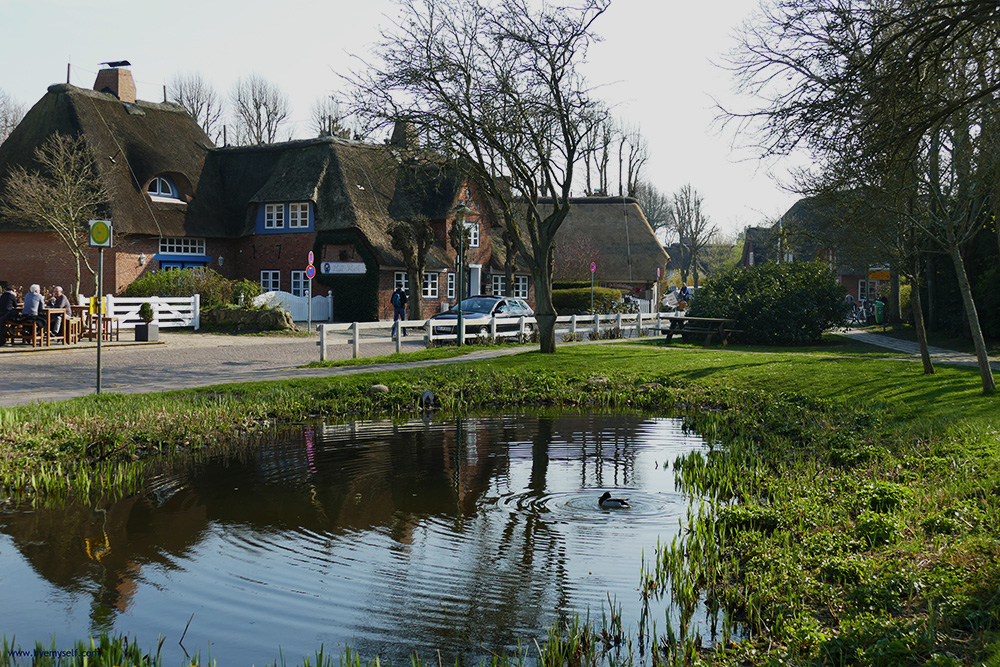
point(353, 185)
point(628, 248)
point(130, 144)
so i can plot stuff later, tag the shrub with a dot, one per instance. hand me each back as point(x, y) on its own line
point(214, 290)
point(774, 304)
point(577, 301)
point(878, 529)
point(146, 312)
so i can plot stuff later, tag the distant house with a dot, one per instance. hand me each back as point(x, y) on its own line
point(256, 212)
point(613, 234)
point(804, 233)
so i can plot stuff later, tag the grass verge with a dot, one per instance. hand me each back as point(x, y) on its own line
point(848, 512)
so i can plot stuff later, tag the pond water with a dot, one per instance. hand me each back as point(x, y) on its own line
point(464, 536)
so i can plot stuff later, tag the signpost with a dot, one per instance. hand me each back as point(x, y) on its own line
point(593, 268)
point(310, 274)
point(100, 238)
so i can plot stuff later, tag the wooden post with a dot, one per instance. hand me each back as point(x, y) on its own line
point(356, 340)
point(572, 325)
point(398, 336)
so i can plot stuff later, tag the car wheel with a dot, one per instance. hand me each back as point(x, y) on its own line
point(528, 328)
point(484, 331)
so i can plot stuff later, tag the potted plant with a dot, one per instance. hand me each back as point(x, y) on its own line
point(147, 331)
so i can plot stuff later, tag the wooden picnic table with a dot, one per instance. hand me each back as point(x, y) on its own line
point(709, 327)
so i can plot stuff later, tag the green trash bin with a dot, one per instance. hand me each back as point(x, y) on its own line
point(879, 312)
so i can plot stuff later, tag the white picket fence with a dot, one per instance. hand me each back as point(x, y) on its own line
point(354, 333)
point(168, 311)
point(298, 306)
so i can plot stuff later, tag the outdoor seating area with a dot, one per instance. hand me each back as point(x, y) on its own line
point(36, 321)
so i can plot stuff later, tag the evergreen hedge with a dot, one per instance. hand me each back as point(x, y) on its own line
point(774, 304)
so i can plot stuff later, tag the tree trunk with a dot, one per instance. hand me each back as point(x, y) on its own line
point(918, 320)
point(931, 294)
point(416, 294)
point(972, 318)
point(895, 313)
point(545, 312)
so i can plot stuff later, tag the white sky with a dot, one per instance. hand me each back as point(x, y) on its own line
point(654, 66)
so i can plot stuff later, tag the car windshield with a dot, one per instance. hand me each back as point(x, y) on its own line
point(477, 305)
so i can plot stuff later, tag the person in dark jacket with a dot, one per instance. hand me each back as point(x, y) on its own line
point(8, 309)
point(399, 300)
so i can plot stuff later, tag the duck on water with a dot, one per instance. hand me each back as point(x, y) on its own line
point(607, 501)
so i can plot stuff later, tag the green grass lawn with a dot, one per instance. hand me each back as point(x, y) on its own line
point(848, 513)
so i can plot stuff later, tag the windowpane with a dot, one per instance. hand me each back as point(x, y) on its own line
point(401, 279)
point(497, 287)
point(274, 216)
point(521, 287)
point(270, 280)
point(298, 215)
point(430, 290)
point(300, 286)
point(451, 285)
point(182, 246)
point(473, 234)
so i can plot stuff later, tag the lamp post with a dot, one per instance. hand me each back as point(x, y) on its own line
point(460, 212)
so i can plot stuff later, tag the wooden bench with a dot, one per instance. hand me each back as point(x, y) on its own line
point(29, 331)
point(708, 327)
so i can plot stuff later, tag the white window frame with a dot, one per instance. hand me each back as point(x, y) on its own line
point(270, 281)
point(451, 286)
point(430, 289)
point(497, 285)
point(298, 215)
point(300, 283)
point(520, 286)
point(401, 279)
point(177, 245)
point(161, 187)
point(274, 216)
point(473, 234)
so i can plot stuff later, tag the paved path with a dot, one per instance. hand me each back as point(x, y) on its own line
point(184, 359)
point(180, 360)
point(939, 355)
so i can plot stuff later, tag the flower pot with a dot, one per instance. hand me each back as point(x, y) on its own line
point(147, 332)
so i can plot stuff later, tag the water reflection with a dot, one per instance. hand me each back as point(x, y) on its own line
point(464, 536)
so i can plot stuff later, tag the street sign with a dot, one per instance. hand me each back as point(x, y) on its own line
point(311, 257)
point(100, 234)
point(593, 267)
point(657, 272)
point(310, 272)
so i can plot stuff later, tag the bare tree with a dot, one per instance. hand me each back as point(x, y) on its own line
point(495, 86)
point(413, 239)
point(574, 255)
point(329, 118)
point(655, 205)
point(61, 196)
point(693, 228)
point(260, 108)
point(11, 113)
point(197, 95)
point(633, 153)
point(897, 98)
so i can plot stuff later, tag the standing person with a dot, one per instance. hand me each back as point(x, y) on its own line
point(399, 300)
point(60, 300)
point(8, 309)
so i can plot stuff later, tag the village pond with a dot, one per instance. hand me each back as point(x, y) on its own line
point(466, 536)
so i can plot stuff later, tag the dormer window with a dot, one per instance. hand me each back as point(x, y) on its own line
point(162, 188)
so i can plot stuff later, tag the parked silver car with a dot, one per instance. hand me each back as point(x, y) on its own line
point(476, 314)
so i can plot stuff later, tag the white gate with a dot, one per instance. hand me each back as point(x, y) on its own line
point(298, 306)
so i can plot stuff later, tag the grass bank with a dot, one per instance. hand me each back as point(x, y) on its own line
point(848, 512)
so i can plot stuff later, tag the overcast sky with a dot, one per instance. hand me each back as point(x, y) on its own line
point(654, 66)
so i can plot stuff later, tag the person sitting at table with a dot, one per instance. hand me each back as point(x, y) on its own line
point(60, 301)
point(8, 309)
point(33, 304)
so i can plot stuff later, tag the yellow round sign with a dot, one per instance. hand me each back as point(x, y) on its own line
point(100, 233)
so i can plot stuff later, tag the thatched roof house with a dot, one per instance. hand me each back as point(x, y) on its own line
point(613, 233)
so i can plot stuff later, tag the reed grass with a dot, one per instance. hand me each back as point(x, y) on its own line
point(847, 510)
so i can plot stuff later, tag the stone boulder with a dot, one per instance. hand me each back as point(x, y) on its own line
point(248, 319)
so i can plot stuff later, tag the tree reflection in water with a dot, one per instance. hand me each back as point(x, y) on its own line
point(466, 536)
